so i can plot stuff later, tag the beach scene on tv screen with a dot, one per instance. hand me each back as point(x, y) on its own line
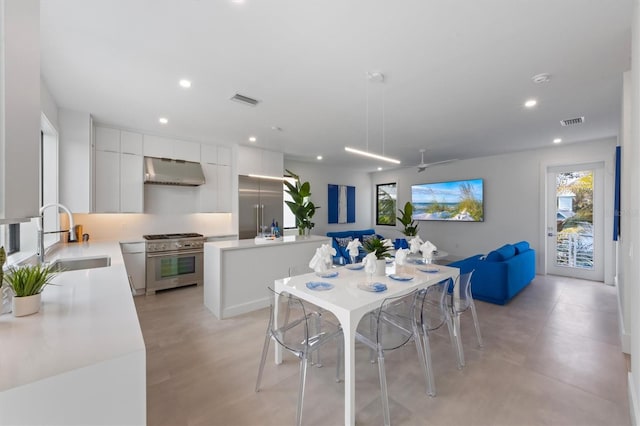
point(455, 201)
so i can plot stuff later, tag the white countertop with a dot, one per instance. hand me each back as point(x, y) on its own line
point(87, 318)
point(251, 243)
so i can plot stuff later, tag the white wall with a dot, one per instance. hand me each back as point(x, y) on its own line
point(321, 175)
point(631, 225)
point(513, 184)
point(48, 104)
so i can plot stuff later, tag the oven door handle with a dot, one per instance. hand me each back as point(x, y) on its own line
point(175, 253)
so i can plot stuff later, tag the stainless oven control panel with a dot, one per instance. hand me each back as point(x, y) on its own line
point(159, 246)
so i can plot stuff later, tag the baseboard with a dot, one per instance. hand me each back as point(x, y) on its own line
point(625, 338)
point(633, 401)
point(243, 308)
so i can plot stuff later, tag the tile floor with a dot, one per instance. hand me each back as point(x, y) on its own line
point(551, 357)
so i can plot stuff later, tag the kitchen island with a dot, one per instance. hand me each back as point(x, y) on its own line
point(237, 273)
point(81, 359)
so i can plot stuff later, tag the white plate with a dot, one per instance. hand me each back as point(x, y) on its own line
point(429, 269)
point(373, 287)
point(401, 277)
point(319, 286)
point(327, 274)
point(354, 266)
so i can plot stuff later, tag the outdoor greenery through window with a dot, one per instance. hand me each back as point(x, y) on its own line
point(386, 196)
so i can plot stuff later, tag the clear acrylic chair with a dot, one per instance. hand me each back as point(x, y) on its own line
point(297, 331)
point(460, 301)
point(390, 327)
point(434, 312)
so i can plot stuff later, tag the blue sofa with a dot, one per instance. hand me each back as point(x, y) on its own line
point(341, 239)
point(502, 273)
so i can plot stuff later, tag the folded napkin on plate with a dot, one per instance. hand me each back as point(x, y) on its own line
point(370, 263)
point(401, 256)
point(352, 247)
point(415, 244)
point(321, 261)
point(388, 243)
point(427, 249)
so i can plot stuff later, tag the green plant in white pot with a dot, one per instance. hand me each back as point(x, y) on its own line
point(301, 206)
point(27, 283)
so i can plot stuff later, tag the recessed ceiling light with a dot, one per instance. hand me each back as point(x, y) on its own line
point(237, 1)
point(184, 83)
point(557, 140)
point(252, 139)
point(541, 78)
point(163, 120)
point(530, 103)
point(319, 157)
point(379, 168)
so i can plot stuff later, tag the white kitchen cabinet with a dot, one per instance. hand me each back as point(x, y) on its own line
point(107, 177)
point(224, 155)
point(224, 188)
point(107, 139)
point(130, 143)
point(255, 161)
point(118, 175)
point(209, 191)
point(19, 109)
point(209, 153)
point(133, 255)
point(185, 150)
point(131, 183)
point(156, 146)
point(272, 163)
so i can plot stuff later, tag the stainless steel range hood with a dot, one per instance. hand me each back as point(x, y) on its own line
point(164, 171)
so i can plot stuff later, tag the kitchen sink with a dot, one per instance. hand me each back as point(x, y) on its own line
point(78, 263)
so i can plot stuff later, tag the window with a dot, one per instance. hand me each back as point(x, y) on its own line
point(386, 204)
point(10, 237)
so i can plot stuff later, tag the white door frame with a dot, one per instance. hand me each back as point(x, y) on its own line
point(597, 272)
point(608, 247)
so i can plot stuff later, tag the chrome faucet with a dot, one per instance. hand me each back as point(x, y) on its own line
point(71, 230)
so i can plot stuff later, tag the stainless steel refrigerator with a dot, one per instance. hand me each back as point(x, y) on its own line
point(260, 203)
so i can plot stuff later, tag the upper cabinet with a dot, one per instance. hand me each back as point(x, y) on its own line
point(19, 109)
point(157, 146)
point(215, 194)
point(118, 172)
point(255, 161)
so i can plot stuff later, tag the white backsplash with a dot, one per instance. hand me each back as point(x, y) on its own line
point(122, 227)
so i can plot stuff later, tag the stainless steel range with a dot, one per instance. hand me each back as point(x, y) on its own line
point(173, 260)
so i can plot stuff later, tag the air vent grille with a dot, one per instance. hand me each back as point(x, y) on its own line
point(572, 121)
point(244, 99)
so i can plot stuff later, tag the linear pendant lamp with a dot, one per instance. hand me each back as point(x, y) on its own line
point(369, 154)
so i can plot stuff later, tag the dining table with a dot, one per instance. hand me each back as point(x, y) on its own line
point(349, 293)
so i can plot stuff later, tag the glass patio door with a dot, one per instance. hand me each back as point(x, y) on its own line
point(575, 221)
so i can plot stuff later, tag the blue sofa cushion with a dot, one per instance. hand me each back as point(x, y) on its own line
point(343, 242)
point(507, 251)
point(365, 238)
point(521, 247)
point(493, 256)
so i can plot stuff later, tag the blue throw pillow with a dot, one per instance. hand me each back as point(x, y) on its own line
point(368, 237)
point(521, 247)
point(493, 256)
point(344, 241)
point(507, 251)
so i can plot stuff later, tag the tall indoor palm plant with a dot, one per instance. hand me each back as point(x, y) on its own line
point(301, 206)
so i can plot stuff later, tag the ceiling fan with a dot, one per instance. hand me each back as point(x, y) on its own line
point(423, 166)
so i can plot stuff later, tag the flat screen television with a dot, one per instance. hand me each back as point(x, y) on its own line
point(455, 201)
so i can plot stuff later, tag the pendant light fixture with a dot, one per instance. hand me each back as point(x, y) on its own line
point(377, 77)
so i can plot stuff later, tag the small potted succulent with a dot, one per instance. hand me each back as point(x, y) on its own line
point(380, 250)
point(27, 283)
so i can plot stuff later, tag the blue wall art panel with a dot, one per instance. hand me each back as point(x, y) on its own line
point(341, 203)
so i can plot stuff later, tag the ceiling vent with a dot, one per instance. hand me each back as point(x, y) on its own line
point(244, 99)
point(572, 121)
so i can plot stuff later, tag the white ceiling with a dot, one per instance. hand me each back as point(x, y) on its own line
point(457, 72)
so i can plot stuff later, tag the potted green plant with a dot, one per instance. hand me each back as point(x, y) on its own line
point(406, 219)
point(381, 251)
point(5, 291)
point(27, 283)
point(301, 206)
